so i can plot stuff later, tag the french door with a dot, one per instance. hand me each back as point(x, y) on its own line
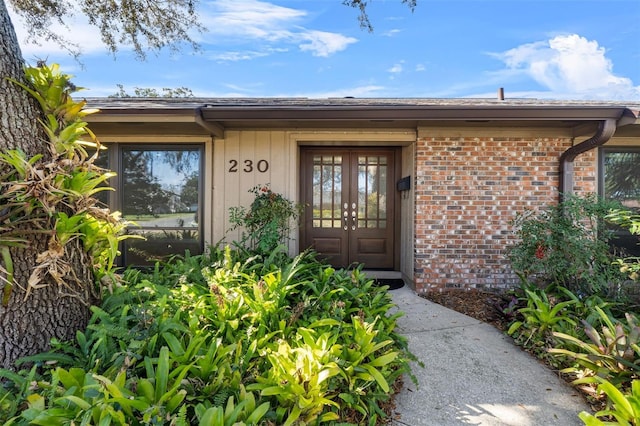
point(349, 199)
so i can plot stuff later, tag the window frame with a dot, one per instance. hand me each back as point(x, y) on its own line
point(115, 162)
point(603, 151)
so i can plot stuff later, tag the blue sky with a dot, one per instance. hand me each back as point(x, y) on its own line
point(545, 49)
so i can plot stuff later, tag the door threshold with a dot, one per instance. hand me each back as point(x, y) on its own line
point(383, 274)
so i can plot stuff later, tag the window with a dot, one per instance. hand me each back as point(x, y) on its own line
point(620, 181)
point(158, 187)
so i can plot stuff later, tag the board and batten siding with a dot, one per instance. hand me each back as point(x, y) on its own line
point(243, 160)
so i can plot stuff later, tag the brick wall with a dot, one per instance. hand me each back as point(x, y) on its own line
point(468, 190)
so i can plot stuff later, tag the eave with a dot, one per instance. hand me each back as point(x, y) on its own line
point(213, 116)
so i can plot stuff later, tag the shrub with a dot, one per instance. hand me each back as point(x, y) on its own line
point(567, 245)
point(267, 222)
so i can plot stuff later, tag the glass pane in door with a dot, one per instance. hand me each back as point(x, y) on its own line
point(327, 191)
point(372, 191)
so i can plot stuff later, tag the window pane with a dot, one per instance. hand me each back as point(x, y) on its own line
point(102, 161)
point(160, 187)
point(372, 191)
point(327, 190)
point(622, 183)
point(622, 177)
point(160, 245)
point(160, 192)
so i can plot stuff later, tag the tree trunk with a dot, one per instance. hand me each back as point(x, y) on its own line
point(18, 111)
point(27, 323)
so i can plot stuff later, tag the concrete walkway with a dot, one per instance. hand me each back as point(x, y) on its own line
point(474, 375)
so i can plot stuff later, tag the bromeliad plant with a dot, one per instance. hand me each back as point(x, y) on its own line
point(612, 354)
point(624, 408)
point(53, 194)
point(541, 317)
point(224, 338)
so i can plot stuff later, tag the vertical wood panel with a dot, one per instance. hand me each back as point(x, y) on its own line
point(232, 189)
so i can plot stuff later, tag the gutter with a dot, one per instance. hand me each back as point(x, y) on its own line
point(606, 128)
point(605, 131)
point(214, 129)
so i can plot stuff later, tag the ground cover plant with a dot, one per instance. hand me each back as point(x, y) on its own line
point(576, 307)
point(221, 339)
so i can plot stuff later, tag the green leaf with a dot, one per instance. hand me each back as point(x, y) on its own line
point(162, 373)
point(589, 419)
point(176, 400)
point(514, 327)
point(258, 414)
point(271, 390)
point(379, 378)
point(174, 343)
point(623, 407)
point(214, 416)
point(146, 389)
point(384, 359)
point(81, 403)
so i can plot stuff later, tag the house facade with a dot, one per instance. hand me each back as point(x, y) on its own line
point(422, 188)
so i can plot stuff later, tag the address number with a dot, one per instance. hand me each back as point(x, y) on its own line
point(248, 166)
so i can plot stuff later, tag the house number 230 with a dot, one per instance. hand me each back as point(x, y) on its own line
point(248, 166)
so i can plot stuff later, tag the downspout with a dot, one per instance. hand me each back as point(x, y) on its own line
point(605, 131)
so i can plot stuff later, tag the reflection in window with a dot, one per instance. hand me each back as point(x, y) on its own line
point(372, 191)
point(327, 191)
point(621, 182)
point(159, 191)
point(160, 244)
point(102, 161)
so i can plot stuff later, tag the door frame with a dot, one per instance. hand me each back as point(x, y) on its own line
point(395, 199)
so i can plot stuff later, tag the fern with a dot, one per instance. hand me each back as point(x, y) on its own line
point(220, 399)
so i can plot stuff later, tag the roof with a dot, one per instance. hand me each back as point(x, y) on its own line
point(158, 102)
point(216, 114)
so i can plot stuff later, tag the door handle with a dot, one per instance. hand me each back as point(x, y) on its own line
point(353, 220)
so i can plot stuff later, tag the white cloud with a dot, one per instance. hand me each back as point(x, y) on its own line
point(258, 22)
point(249, 18)
point(569, 66)
point(77, 32)
point(233, 56)
point(396, 68)
point(227, 22)
point(321, 43)
point(391, 33)
point(420, 68)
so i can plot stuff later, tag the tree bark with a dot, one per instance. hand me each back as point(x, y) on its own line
point(28, 323)
point(18, 111)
